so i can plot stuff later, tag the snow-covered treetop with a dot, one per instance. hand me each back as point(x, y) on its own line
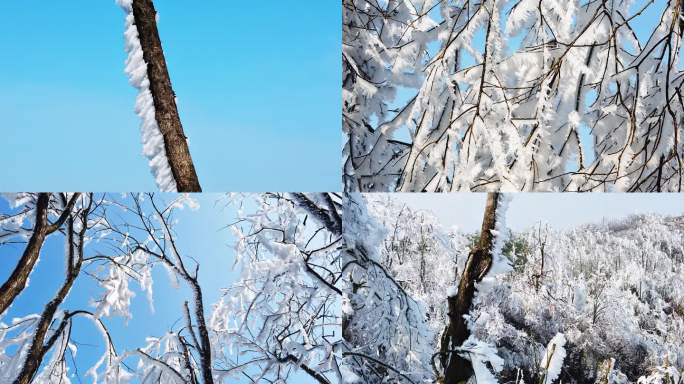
point(512, 95)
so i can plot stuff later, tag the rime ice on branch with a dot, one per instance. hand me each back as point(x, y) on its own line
point(283, 316)
point(512, 95)
point(163, 139)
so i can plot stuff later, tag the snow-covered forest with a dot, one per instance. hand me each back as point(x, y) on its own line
point(512, 95)
point(597, 303)
point(278, 322)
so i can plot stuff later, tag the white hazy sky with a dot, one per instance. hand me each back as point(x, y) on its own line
point(561, 210)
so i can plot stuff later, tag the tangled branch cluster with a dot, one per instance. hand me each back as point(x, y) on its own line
point(544, 95)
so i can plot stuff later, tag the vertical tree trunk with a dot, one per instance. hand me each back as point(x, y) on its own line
point(17, 280)
point(205, 346)
point(456, 368)
point(166, 111)
point(423, 262)
point(542, 246)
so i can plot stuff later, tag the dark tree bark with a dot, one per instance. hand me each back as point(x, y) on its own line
point(311, 372)
point(205, 346)
point(456, 368)
point(166, 111)
point(38, 347)
point(542, 246)
point(328, 216)
point(42, 228)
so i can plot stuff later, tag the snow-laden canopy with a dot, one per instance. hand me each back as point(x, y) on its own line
point(548, 95)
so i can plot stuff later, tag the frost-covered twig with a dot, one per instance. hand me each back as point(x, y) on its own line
point(512, 95)
point(148, 239)
point(284, 309)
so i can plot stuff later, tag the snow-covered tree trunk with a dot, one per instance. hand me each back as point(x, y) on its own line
point(204, 347)
point(456, 368)
point(42, 228)
point(175, 145)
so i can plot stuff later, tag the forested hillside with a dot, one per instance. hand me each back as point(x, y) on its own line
point(602, 302)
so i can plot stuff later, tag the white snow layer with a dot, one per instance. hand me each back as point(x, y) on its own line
point(152, 139)
point(500, 263)
point(500, 232)
point(348, 376)
point(479, 353)
point(553, 358)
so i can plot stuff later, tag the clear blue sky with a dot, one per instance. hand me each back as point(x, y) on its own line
point(201, 234)
point(258, 86)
